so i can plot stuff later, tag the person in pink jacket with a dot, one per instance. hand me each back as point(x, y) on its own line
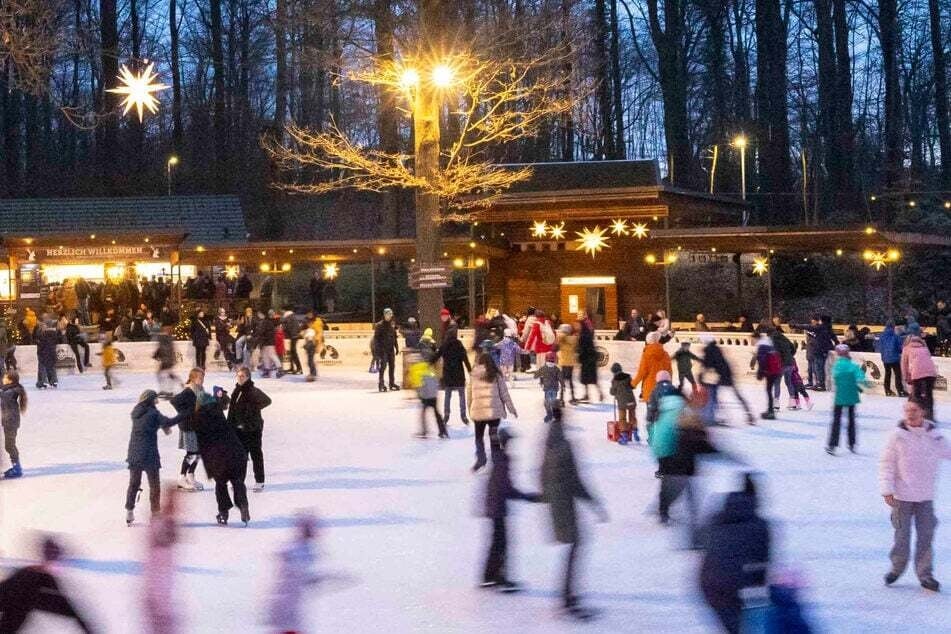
point(908, 474)
point(918, 369)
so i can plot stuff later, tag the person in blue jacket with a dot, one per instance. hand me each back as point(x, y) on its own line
point(889, 346)
point(143, 451)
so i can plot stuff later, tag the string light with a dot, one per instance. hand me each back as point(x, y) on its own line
point(591, 241)
point(619, 227)
point(760, 265)
point(640, 230)
point(557, 232)
point(539, 229)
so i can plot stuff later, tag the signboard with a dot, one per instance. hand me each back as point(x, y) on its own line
point(97, 252)
point(427, 275)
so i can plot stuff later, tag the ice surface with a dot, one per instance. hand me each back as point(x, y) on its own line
point(400, 534)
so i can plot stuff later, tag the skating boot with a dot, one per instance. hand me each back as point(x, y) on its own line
point(394, 388)
point(245, 514)
point(889, 393)
point(637, 436)
point(480, 462)
point(129, 518)
point(623, 439)
point(310, 378)
point(13, 472)
point(930, 583)
point(507, 586)
point(381, 388)
point(891, 577)
point(222, 518)
point(196, 485)
point(258, 487)
point(184, 484)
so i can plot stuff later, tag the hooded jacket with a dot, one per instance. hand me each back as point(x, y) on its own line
point(909, 466)
point(488, 400)
point(46, 340)
point(916, 361)
point(653, 360)
point(849, 381)
point(454, 359)
point(890, 345)
point(143, 442)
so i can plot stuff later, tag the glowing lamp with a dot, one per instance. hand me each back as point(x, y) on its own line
point(331, 271)
point(409, 78)
point(443, 76)
point(650, 258)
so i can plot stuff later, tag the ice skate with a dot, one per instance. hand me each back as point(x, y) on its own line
point(580, 612)
point(245, 514)
point(222, 519)
point(930, 583)
point(129, 517)
point(891, 577)
point(196, 485)
point(185, 485)
point(258, 487)
point(394, 388)
point(13, 472)
point(508, 587)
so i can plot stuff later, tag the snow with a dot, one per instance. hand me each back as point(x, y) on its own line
point(400, 535)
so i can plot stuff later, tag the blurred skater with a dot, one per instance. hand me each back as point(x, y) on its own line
point(168, 381)
point(109, 359)
point(422, 377)
point(12, 405)
point(296, 574)
point(158, 570)
point(549, 377)
point(626, 404)
point(34, 588)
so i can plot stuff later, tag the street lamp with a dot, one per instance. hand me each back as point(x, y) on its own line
point(740, 142)
point(669, 259)
point(470, 264)
point(169, 164)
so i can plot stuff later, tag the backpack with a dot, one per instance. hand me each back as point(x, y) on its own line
point(548, 335)
point(773, 365)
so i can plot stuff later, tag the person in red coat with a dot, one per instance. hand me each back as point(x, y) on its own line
point(535, 340)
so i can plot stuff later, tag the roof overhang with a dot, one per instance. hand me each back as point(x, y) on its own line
point(158, 238)
point(802, 239)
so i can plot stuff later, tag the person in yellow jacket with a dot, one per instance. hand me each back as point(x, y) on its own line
point(313, 342)
point(30, 321)
point(567, 357)
point(110, 356)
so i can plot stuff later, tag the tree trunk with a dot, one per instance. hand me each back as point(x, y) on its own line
point(894, 143)
point(567, 119)
point(11, 132)
point(617, 85)
point(177, 133)
point(387, 121)
point(108, 142)
point(716, 89)
point(280, 81)
point(218, 82)
point(605, 147)
point(772, 115)
point(843, 174)
point(940, 93)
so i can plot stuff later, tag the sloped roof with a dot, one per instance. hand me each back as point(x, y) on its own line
point(561, 176)
point(206, 219)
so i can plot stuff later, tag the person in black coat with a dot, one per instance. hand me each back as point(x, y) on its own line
point(244, 414)
point(386, 347)
point(736, 557)
point(76, 340)
point(47, 337)
point(143, 454)
point(292, 336)
point(201, 337)
point(497, 494)
point(224, 457)
point(714, 361)
point(224, 338)
point(455, 364)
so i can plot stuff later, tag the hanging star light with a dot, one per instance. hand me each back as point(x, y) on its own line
point(878, 260)
point(591, 240)
point(138, 89)
point(539, 229)
point(760, 265)
point(619, 227)
point(639, 230)
point(331, 270)
point(557, 232)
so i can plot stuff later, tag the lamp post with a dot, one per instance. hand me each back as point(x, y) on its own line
point(470, 264)
point(740, 142)
point(169, 164)
point(670, 258)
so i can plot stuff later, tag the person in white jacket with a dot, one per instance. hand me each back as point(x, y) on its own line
point(908, 473)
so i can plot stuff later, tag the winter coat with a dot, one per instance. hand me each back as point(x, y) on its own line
point(500, 489)
point(909, 465)
point(662, 389)
point(143, 442)
point(535, 341)
point(890, 345)
point(454, 359)
point(222, 453)
point(411, 337)
point(488, 400)
point(561, 484)
point(587, 354)
point(291, 326)
point(567, 349)
point(508, 350)
point(849, 381)
point(165, 353)
point(665, 430)
point(11, 398)
point(622, 391)
point(824, 339)
point(46, 340)
point(549, 376)
point(264, 332)
point(73, 335)
point(247, 401)
point(222, 331)
point(684, 359)
point(653, 360)
point(714, 360)
point(201, 332)
point(109, 356)
point(916, 361)
point(764, 352)
point(692, 441)
point(184, 403)
point(785, 348)
point(737, 551)
point(384, 337)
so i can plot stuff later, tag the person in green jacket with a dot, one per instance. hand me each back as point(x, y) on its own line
point(849, 379)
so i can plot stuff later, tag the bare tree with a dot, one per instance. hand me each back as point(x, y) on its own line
point(28, 39)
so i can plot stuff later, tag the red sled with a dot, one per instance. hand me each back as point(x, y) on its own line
point(614, 431)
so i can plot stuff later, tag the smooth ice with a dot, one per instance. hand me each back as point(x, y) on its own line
point(401, 542)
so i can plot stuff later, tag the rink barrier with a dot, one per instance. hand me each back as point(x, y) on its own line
point(351, 350)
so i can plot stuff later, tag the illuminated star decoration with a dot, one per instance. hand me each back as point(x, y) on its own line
point(639, 230)
point(619, 227)
point(760, 265)
point(331, 270)
point(539, 229)
point(138, 90)
point(592, 240)
point(557, 232)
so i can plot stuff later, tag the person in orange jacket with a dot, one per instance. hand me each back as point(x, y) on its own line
point(653, 360)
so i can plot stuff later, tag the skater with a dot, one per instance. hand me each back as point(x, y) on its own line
point(714, 362)
point(159, 570)
point(737, 554)
point(454, 359)
point(499, 491)
point(684, 359)
point(109, 359)
point(313, 343)
point(291, 328)
point(824, 341)
point(168, 380)
point(12, 405)
point(787, 358)
point(625, 403)
point(422, 377)
point(654, 359)
point(265, 336)
point(76, 339)
point(549, 377)
point(662, 387)
point(224, 457)
point(34, 588)
point(223, 337)
point(567, 357)
point(186, 402)
point(588, 357)
point(908, 476)
point(489, 401)
point(508, 352)
point(918, 369)
point(797, 387)
point(561, 486)
point(295, 575)
point(244, 414)
point(143, 455)
point(386, 346)
point(849, 380)
point(46, 339)
point(201, 336)
point(769, 368)
point(890, 348)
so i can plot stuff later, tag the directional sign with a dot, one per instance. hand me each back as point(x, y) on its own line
point(430, 275)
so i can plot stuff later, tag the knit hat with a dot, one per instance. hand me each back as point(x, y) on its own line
point(565, 328)
point(663, 375)
point(913, 328)
point(148, 396)
point(387, 311)
point(508, 332)
point(550, 357)
point(428, 333)
point(842, 350)
point(615, 368)
point(444, 313)
point(653, 337)
point(287, 313)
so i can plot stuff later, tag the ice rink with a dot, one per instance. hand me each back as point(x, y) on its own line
point(401, 537)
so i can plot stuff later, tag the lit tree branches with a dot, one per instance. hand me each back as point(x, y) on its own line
point(28, 39)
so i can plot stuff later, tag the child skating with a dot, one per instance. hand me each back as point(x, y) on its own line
point(849, 380)
point(109, 358)
point(12, 405)
point(684, 360)
point(626, 403)
point(549, 376)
